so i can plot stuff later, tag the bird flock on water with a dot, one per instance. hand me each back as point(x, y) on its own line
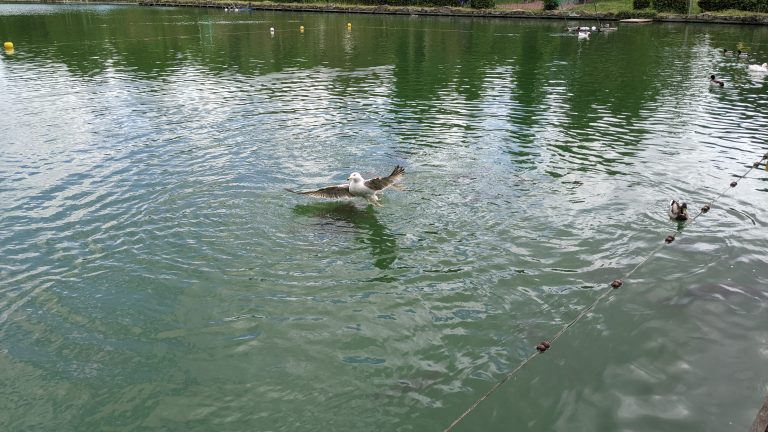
point(741, 55)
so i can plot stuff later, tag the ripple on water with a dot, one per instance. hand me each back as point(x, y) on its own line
point(148, 243)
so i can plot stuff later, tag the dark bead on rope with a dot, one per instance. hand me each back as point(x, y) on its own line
point(705, 208)
point(733, 184)
point(541, 347)
point(669, 239)
point(617, 283)
point(756, 164)
point(546, 344)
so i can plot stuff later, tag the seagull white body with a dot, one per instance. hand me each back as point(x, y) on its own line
point(759, 68)
point(359, 187)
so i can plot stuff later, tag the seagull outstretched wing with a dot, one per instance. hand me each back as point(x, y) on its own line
point(341, 191)
point(378, 184)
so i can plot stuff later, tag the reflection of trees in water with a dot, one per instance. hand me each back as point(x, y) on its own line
point(585, 106)
point(364, 223)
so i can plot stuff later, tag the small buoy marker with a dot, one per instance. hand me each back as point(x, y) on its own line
point(271, 29)
point(301, 29)
point(349, 26)
point(8, 46)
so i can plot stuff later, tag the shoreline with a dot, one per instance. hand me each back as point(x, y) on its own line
point(427, 11)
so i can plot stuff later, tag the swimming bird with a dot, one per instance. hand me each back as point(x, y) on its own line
point(741, 54)
point(678, 211)
point(358, 187)
point(727, 52)
point(715, 81)
point(759, 68)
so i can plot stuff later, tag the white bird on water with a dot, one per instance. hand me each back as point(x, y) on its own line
point(359, 187)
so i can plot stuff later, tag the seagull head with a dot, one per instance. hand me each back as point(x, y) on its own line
point(355, 177)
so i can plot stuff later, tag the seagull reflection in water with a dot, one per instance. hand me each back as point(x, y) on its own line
point(344, 215)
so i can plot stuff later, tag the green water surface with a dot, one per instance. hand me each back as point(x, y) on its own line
point(156, 276)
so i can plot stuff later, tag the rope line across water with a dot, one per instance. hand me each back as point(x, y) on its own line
point(544, 346)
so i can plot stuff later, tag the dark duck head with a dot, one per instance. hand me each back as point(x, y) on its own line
point(678, 211)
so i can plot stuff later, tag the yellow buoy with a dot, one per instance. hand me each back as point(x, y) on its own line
point(8, 46)
point(301, 29)
point(349, 25)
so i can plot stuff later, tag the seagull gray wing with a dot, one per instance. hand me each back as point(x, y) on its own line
point(341, 191)
point(378, 184)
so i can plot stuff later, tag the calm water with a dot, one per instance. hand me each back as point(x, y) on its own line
point(155, 275)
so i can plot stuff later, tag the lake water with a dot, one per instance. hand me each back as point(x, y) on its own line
point(156, 276)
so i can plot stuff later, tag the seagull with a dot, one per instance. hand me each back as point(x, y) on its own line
point(358, 187)
point(678, 211)
point(759, 68)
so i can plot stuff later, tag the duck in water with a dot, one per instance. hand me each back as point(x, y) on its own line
point(678, 211)
point(715, 81)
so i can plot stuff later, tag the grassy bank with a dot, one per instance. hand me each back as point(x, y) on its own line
point(619, 6)
point(603, 9)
